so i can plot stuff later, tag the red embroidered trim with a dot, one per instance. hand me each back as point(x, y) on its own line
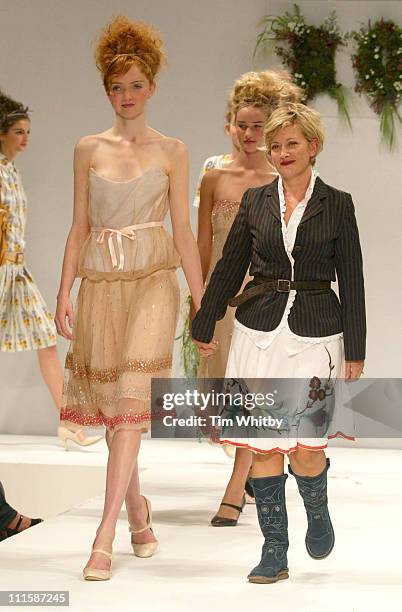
point(94, 420)
point(289, 450)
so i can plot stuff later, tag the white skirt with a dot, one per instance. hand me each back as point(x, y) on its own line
point(318, 407)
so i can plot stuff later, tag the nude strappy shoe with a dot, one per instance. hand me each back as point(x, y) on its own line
point(149, 548)
point(92, 573)
point(65, 435)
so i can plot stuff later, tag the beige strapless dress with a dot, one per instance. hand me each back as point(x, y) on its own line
point(223, 215)
point(127, 305)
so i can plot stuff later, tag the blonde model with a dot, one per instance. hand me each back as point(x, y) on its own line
point(253, 98)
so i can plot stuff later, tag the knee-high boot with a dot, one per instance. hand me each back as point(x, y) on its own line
point(320, 537)
point(271, 509)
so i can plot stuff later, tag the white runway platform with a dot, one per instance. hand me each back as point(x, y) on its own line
point(199, 567)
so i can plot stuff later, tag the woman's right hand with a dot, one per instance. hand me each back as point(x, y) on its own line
point(64, 318)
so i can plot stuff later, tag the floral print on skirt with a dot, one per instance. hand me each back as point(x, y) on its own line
point(25, 321)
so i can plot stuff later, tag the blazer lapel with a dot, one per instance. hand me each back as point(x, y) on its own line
point(314, 205)
point(273, 199)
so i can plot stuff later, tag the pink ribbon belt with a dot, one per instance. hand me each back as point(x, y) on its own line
point(127, 232)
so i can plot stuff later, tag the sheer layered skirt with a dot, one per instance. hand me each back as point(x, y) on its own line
point(122, 337)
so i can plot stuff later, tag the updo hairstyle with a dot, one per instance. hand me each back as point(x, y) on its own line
point(11, 111)
point(123, 43)
point(266, 90)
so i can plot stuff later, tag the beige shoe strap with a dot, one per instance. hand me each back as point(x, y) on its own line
point(103, 552)
point(139, 530)
point(149, 521)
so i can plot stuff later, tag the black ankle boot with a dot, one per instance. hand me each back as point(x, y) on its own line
point(271, 509)
point(320, 537)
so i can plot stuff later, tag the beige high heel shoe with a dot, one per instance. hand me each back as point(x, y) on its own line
point(148, 549)
point(229, 450)
point(74, 436)
point(92, 573)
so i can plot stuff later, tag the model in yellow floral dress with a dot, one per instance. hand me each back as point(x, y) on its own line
point(25, 321)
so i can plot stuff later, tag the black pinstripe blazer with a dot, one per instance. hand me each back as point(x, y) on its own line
point(327, 241)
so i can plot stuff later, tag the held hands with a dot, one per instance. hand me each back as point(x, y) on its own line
point(206, 349)
point(64, 318)
point(353, 370)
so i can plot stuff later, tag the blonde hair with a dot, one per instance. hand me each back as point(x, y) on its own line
point(266, 90)
point(307, 119)
point(123, 43)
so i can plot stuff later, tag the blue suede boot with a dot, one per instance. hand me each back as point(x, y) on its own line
point(320, 537)
point(272, 516)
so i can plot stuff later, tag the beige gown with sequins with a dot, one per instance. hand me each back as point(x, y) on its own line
point(127, 306)
point(223, 215)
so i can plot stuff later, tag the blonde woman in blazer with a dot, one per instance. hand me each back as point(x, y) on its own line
point(294, 234)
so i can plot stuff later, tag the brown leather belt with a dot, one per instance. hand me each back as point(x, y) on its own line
point(281, 285)
point(17, 258)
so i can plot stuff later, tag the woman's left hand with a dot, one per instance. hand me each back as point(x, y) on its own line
point(353, 369)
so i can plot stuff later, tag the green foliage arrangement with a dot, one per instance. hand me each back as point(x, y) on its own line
point(189, 353)
point(309, 53)
point(378, 68)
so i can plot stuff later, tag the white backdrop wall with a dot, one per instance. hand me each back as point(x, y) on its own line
point(46, 61)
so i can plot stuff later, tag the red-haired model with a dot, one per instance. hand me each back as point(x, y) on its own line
point(126, 180)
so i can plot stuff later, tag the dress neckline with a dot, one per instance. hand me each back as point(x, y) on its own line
point(134, 178)
point(226, 202)
point(4, 161)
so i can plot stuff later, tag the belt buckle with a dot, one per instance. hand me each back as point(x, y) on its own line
point(279, 285)
point(19, 258)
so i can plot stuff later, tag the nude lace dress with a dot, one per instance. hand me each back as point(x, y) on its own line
point(127, 306)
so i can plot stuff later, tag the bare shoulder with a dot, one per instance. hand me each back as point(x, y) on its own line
point(173, 147)
point(85, 146)
point(210, 178)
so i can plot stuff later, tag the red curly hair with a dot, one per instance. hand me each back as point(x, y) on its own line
point(123, 43)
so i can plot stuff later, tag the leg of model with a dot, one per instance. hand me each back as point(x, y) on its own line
point(52, 374)
point(269, 488)
point(135, 505)
point(310, 470)
point(234, 493)
point(123, 453)
point(137, 511)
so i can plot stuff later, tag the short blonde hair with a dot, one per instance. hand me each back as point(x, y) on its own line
point(307, 119)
